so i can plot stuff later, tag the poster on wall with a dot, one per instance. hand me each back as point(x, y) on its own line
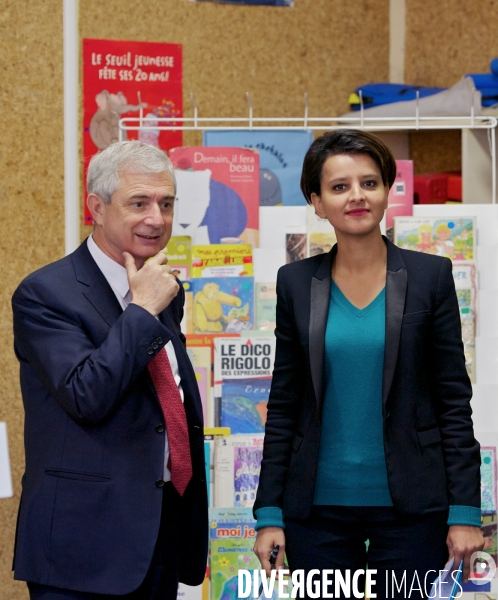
point(129, 79)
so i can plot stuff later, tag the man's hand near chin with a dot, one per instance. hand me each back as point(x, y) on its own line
point(152, 287)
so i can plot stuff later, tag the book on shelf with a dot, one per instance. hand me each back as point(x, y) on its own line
point(465, 277)
point(281, 160)
point(222, 304)
point(243, 370)
point(237, 463)
point(453, 237)
point(222, 260)
point(265, 300)
point(400, 200)
point(218, 194)
point(179, 253)
point(321, 234)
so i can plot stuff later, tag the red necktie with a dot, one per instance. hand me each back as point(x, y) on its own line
point(176, 420)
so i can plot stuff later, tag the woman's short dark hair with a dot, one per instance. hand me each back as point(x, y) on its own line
point(344, 141)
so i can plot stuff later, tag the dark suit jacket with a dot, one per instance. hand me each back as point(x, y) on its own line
point(94, 433)
point(432, 457)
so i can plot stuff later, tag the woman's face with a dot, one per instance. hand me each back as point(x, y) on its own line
point(352, 196)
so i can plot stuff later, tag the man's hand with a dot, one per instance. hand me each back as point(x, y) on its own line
point(462, 542)
point(152, 287)
point(267, 539)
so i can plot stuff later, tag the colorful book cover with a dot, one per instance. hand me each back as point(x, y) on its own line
point(281, 160)
point(237, 467)
point(265, 299)
point(465, 275)
point(129, 79)
point(217, 194)
point(205, 340)
point(187, 324)
point(453, 237)
point(488, 479)
point(488, 500)
point(222, 304)
point(222, 260)
point(179, 253)
point(321, 234)
point(400, 201)
point(210, 434)
point(227, 523)
point(242, 373)
point(227, 556)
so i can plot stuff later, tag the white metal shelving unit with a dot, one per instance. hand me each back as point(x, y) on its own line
point(479, 160)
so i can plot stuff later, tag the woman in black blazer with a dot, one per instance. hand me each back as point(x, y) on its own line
point(369, 433)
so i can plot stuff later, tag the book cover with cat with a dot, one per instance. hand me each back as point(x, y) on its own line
point(217, 194)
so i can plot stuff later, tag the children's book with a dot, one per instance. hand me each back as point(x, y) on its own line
point(242, 373)
point(465, 275)
point(237, 462)
point(222, 260)
point(453, 237)
point(234, 522)
point(400, 201)
point(227, 556)
point(222, 304)
point(217, 194)
point(321, 234)
point(265, 299)
point(210, 434)
point(488, 480)
point(201, 347)
point(186, 324)
point(281, 160)
point(179, 256)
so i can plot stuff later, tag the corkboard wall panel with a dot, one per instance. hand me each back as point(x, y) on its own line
point(449, 38)
point(323, 47)
point(32, 223)
point(444, 41)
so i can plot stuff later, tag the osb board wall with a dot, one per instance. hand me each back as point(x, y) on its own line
point(323, 47)
point(32, 222)
point(326, 48)
point(444, 41)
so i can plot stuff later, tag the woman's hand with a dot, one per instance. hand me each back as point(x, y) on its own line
point(462, 542)
point(266, 540)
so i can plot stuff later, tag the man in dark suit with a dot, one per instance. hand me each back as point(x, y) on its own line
point(114, 499)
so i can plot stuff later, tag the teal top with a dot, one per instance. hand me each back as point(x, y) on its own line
point(351, 463)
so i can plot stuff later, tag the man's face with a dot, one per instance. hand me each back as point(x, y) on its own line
point(138, 219)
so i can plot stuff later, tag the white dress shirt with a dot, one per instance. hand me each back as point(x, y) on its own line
point(117, 278)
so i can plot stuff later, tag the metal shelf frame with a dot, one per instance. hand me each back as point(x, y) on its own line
point(252, 123)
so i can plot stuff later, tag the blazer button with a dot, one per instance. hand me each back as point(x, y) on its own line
point(150, 350)
point(159, 483)
point(159, 340)
point(160, 428)
point(155, 345)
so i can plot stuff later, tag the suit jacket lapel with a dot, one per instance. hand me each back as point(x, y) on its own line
point(98, 292)
point(319, 308)
point(396, 282)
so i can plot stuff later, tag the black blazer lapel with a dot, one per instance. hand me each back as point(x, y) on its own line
point(396, 282)
point(319, 308)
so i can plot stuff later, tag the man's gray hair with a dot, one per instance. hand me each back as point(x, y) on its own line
point(133, 156)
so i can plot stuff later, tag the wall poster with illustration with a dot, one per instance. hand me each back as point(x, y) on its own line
point(129, 79)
